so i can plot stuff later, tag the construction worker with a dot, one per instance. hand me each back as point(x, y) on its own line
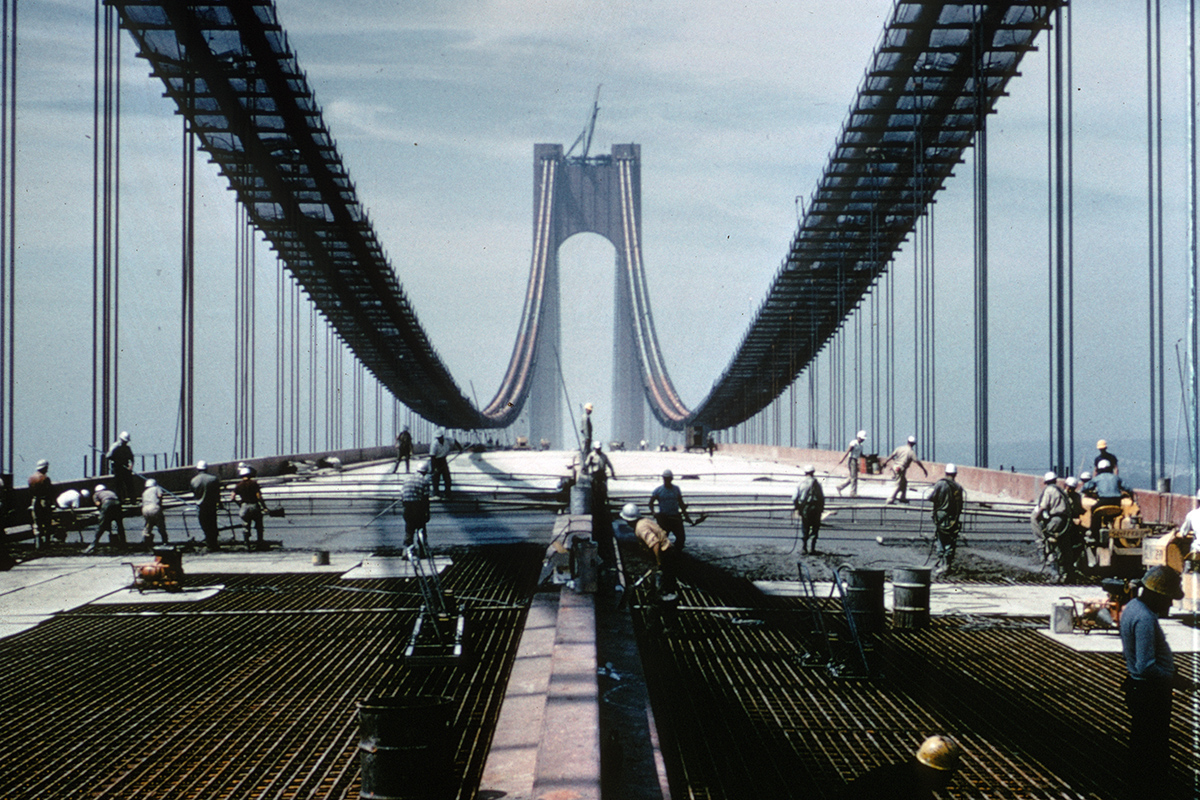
point(947, 501)
point(853, 459)
point(110, 511)
point(598, 467)
point(1051, 520)
point(414, 497)
point(668, 508)
point(585, 430)
point(1103, 454)
point(403, 449)
point(931, 769)
point(808, 503)
point(206, 489)
point(1152, 677)
point(658, 542)
point(905, 455)
point(439, 463)
point(248, 495)
point(41, 502)
point(1108, 490)
point(120, 461)
point(73, 501)
point(1070, 544)
point(152, 512)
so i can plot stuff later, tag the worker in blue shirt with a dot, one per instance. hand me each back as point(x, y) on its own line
point(668, 508)
point(1152, 677)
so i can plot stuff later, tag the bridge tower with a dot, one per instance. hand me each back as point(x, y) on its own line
point(603, 195)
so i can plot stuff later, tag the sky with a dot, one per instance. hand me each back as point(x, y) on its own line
point(436, 107)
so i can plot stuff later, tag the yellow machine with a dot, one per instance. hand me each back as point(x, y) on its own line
point(1175, 551)
point(1114, 542)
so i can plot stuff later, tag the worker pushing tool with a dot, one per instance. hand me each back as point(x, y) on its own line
point(248, 495)
point(904, 456)
point(853, 459)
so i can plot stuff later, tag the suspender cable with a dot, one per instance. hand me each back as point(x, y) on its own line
point(8, 223)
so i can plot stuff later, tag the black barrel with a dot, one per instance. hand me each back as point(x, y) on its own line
point(404, 748)
point(864, 598)
point(910, 598)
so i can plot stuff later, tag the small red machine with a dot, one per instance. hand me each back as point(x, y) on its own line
point(165, 572)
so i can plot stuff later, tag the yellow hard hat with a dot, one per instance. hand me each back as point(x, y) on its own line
point(1164, 580)
point(940, 753)
point(1100, 445)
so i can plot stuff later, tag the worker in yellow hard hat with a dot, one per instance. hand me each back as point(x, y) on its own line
point(1104, 454)
point(930, 769)
point(1152, 676)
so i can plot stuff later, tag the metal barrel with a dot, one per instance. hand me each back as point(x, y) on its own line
point(910, 598)
point(864, 599)
point(405, 750)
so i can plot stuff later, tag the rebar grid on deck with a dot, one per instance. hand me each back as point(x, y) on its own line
point(251, 693)
point(742, 713)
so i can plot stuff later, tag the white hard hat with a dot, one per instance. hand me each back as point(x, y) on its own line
point(809, 469)
point(951, 469)
point(424, 467)
point(1104, 464)
point(629, 512)
point(1049, 477)
point(84, 492)
point(202, 465)
point(243, 470)
point(43, 464)
point(440, 435)
point(862, 435)
point(596, 446)
point(587, 406)
point(1085, 476)
point(124, 437)
point(912, 440)
point(99, 487)
point(668, 474)
point(1072, 481)
point(149, 482)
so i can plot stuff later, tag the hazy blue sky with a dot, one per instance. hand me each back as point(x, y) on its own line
point(436, 107)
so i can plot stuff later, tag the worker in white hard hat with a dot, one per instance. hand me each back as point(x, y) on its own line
point(72, 501)
point(1108, 490)
point(251, 506)
point(414, 497)
point(658, 542)
point(41, 503)
point(110, 512)
point(947, 499)
point(152, 512)
point(905, 456)
point(206, 489)
point(853, 459)
point(1104, 454)
point(1191, 528)
point(931, 769)
point(669, 509)
point(1051, 522)
point(808, 504)
point(439, 463)
point(120, 462)
point(585, 430)
point(1152, 678)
